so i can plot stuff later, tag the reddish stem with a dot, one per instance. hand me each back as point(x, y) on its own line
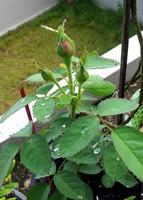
point(29, 115)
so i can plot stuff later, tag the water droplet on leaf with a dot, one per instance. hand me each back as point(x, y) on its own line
point(63, 126)
point(84, 129)
point(80, 197)
point(118, 159)
point(95, 145)
point(97, 151)
point(47, 116)
point(57, 148)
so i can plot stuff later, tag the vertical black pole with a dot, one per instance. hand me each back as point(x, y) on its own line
point(124, 50)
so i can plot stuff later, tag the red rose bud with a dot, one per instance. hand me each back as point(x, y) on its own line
point(65, 46)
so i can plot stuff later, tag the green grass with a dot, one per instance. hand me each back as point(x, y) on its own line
point(87, 25)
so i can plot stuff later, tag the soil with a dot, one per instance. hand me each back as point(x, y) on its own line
point(117, 192)
point(22, 176)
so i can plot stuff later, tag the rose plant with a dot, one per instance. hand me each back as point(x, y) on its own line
point(78, 137)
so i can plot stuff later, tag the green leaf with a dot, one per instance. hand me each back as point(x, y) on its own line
point(136, 121)
point(85, 108)
point(129, 144)
point(43, 109)
point(107, 181)
point(75, 59)
point(99, 87)
point(88, 98)
point(77, 136)
point(90, 169)
point(57, 196)
point(136, 95)
point(39, 191)
point(35, 78)
point(44, 89)
point(128, 180)
point(13, 198)
point(57, 128)
point(4, 192)
point(17, 106)
point(11, 185)
point(85, 156)
point(51, 172)
point(65, 99)
point(113, 165)
point(94, 61)
point(116, 106)
point(12, 165)
point(3, 198)
point(130, 198)
point(61, 71)
point(24, 132)
point(35, 155)
point(71, 186)
point(70, 167)
point(7, 153)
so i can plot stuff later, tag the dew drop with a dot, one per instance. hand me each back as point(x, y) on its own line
point(51, 148)
point(47, 116)
point(127, 186)
point(56, 149)
point(43, 104)
point(118, 159)
point(80, 197)
point(63, 126)
point(97, 151)
point(83, 130)
point(95, 145)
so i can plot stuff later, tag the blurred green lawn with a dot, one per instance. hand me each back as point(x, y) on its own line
point(87, 24)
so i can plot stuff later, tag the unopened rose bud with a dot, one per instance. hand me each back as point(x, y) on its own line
point(82, 75)
point(65, 47)
point(47, 75)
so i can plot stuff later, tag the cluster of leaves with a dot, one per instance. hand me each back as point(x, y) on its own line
point(74, 142)
point(8, 186)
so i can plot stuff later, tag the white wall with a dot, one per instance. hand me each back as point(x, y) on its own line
point(16, 12)
point(113, 4)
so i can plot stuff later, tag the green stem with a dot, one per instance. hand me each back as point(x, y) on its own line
point(73, 108)
point(71, 86)
point(58, 85)
point(107, 124)
point(79, 91)
point(70, 79)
